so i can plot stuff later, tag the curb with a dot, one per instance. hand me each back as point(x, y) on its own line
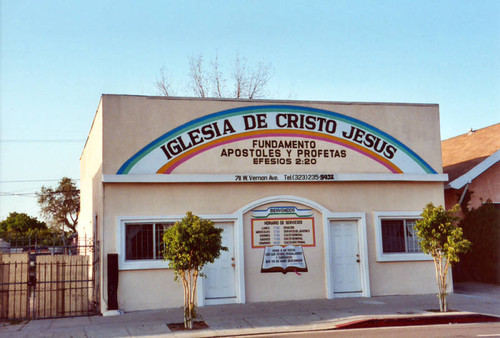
point(377, 322)
point(463, 318)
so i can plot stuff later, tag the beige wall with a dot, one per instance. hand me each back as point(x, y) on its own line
point(132, 122)
point(91, 192)
point(148, 289)
point(91, 175)
point(144, 199)
point(134, 200)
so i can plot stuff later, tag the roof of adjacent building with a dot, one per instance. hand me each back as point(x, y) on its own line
point(475, 149)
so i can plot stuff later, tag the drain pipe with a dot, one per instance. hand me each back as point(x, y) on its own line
point(463, 194)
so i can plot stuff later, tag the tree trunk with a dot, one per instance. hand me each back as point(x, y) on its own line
point(445, 284)
point(189, 281)
point(188, 309)
point(187, 314)
point(192, 309)
point(441, 264)
point(438, 280)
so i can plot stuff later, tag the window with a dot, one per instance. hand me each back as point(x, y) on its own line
point(396, 237)
point(143, 241)
point(140, 242)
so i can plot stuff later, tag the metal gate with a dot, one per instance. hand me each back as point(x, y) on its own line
point(49, 282)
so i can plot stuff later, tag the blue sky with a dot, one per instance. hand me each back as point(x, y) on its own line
point(58, 57)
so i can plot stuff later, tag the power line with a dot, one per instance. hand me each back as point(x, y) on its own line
point(42, 140)
point(17, 191)
point(31, 181)
point(8, 194)
point(26, 194)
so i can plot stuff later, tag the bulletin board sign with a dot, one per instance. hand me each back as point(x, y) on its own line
point(284, 259)
point(283, 232)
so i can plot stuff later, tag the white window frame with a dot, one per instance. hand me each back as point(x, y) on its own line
point(139, 264)
point(399, 256)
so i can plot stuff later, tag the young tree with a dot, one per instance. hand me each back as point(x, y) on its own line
point(190, 244)
point(62, 205)
point(441, 238)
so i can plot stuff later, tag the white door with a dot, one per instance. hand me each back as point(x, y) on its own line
point(219, 286)
point(346, 265)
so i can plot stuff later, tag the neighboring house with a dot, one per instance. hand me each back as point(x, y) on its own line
point(471, 161)
point(316, 199)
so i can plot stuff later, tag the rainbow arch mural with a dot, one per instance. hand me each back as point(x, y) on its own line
point(167, 152)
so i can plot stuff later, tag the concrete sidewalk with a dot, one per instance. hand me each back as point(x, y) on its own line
point(271, 317)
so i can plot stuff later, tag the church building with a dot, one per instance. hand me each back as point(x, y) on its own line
point(317, 200)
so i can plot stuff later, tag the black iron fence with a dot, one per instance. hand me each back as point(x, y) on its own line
point(40, 281)
point(16, 244)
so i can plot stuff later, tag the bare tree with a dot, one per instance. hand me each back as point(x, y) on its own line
point(239, 77)
point(258, 80)
point(217, 78)
point(243, 83)
point(197, 75)
point(163, 84)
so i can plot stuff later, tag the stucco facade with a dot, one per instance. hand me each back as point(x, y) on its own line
point(340, 174)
